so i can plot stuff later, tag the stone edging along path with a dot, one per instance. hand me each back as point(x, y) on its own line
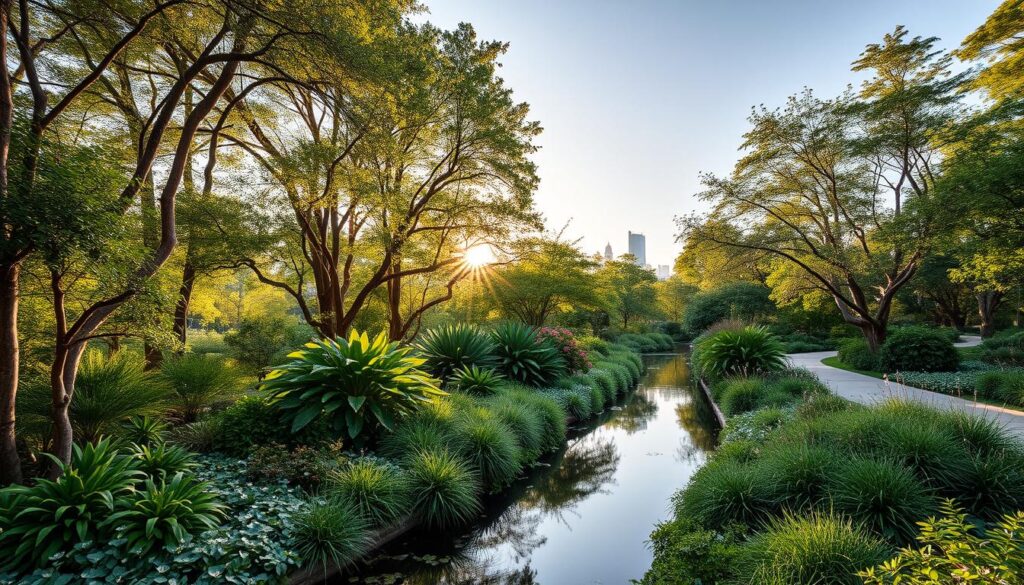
point(867, 390)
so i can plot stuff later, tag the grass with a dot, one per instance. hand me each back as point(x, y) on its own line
point(489, 446)
point(882, 495)
point(723, 493)
point(379, 491)
point(444, 489)
point(331, 532)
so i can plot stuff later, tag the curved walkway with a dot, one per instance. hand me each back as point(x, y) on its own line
point(868, 390)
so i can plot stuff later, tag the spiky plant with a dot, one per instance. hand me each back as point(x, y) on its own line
point(162, 460)
point(331, 532)
point(144, 430)
point(358, 383)
point(524, 358)
point(444, 489)
point(740, 352)
point(476, 381)
point(377, 489)
point(454, 347)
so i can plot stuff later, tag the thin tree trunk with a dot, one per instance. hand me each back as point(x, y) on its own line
point(395, 321)
point(988, 303)
point(188, 280)
point(10, 463)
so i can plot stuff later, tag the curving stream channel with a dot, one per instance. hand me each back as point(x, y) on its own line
point(584, 516)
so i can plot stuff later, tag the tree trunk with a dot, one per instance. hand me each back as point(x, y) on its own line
point(62, 390)
point(10, 463)
point(188, 281)
point(874, 334)
point(395, 322)
point(988, 303)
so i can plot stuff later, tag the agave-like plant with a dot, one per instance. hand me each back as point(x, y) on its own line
point(144, 430)
point(51, 516)
point(357, 383)
point(452, 347)
point(749, 351)
point(165, 512)
point(525, 358)
point(162, 460)
point(474, 380)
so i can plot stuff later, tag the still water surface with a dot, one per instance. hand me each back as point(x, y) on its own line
point(585, 515)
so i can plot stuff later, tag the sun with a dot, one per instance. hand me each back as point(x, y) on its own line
point(478, 256)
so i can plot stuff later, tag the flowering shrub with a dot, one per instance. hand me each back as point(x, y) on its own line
point(568, 347)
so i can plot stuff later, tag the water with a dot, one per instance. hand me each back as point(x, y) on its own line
point(585, 517)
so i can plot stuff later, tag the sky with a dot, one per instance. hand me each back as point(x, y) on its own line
point(638, 97)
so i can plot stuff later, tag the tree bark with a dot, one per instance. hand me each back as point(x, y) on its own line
point(188, 281)
point(10, 463)
point(988, 303)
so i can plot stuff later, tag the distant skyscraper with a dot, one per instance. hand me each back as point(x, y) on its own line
point(664, 271)
point(638, 248)
point(608, 252)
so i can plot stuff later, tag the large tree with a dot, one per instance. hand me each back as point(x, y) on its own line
point(840, 188)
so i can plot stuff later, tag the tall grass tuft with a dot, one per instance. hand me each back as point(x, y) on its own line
point(199, 382)
point(489, 446)
point(723, 493)
point(882, 495)
point(444, 489)
point(799, 474)
point(378, 490)
point(111, 391)
point(606, 381)
point(331, 532)
point(525, 425)
point(547, 410)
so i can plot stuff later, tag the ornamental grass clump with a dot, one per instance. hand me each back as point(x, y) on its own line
point(331, 532)
point(523, 357)
point(605, 381)
point(444, 488)
point(199, 382)
point(546, 410)
point(723, 493)
point(749, 351)
point(799, 474)
point(483, 440)
point(524, 423)
point(357, 384)
point(377, 489)
point(883, 496)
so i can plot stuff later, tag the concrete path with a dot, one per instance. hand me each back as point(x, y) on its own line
point(868, 390)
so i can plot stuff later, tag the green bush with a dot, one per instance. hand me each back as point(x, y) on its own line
point(545, 409)
point(740, 352)
point(416, 434)
point(489, 446)
point(202, 436)
point(575, 401)
point(378, 490)
point(524, 423)
point(259, 342)
point(687, 553)
point(455, 347)
point(953, 551)
point(856, 354)
point(475, 381)
point(722, 493)
point(917, 349)
point(993, 484)
point(593, 344)
point(882, 495)
point(444, 489)
point(799, 474)
point(605, 380)
point(302, 466)
point(621, 375)
point(928, 449)
point(52, 516)
point(250, 422)
point(358, 385)
point(144, 430)
point(737, 450)
point(161, 461)
point(199, 382)
point(820, 548)
point(742, 301)
point(978, 434)
point(166, 513)
point(331, 532)
point(1003, 385)
point(739, 395)
point(522, 357)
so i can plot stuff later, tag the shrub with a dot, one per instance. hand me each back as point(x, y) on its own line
point(820, 548)
point(977, 434)
point(953, 383)
point(355, 384)
point(454, 347)
point(444, 489)
point(378, 490)
point(1004, 356)
point(799, 474)
point(199, 382)
point(737, 450)
point(1005, 386)
point(798, 386)
point(144, 430)
point(631, 361)
point(620, 374)
point(605, 380)
point(162, 460)
point(952, 551)
point(993, 484)
point(524, 423)
point(489, 446)
point(856, 354)
point(593, 344)
point(917, 349)
point(250, 422)
point(204, 342)
point(200, 436)
point(741, 395)
point(686, 553)
point(414, 435)
point(53, 516)
point(258, 342)
point(882, 495)
point(109, 392)
point(744, 352)
point(743, 301)
point(331, 532)
point(563, 340)
point(166, 512)
point(476, 381)
point(596, 399)
point(524, 358)
point(723, 493)
point(575, 401)
point(303, 466)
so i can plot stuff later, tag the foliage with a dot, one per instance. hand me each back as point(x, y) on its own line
point(687, 553)
point(630, 291)
point(303, 466)
point(565, 343)
point(800, 474)
point(545, 409)
point(742, 301)
point(858, 355)
point(723, 493)
point(353, 383)
point(199, 382)
point(522, 357)
point(250, 422)
point(953, 383)
point(819, 548)
point(144, 430)
point(952, 552)
point(449, 349)
point(162, 460)
point(525, 424)
point(258, 342)
point(604, 380)
point(201, 436)
point(645, 342)
point(475, 381)
point(444, 488)
point(53, 516)
point(883, 496)
point(575, 401)
point(918, 349)
point(111, 391)
point(1007, 386)
point(378, 489)
point(488, 445)
point(166, 513)
point(745, 352)
point(331, 532)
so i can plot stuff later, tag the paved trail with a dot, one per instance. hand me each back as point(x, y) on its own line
point(868, 390)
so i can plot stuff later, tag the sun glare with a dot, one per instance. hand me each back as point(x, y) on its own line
point(478, 256)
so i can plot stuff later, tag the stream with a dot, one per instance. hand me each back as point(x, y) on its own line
point(584, 515)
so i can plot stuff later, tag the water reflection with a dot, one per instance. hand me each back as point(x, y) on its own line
point(583, 518)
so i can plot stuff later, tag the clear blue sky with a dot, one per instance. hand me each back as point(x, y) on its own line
point(638, 97)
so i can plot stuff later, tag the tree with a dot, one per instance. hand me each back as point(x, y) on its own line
point(629, 289)
point(674, 294)
point(550, 277)
point(950, 298)
point(708, 265)
point(840, 188)
point(999, 41)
